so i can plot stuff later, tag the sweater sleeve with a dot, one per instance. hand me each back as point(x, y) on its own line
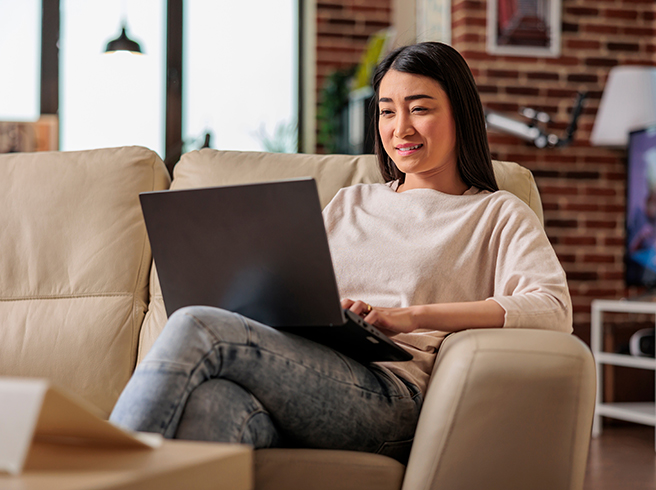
point(529, 283)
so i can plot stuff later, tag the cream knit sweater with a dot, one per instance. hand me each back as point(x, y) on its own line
point(422, 246)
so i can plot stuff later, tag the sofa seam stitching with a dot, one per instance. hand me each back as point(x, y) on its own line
point(64, 296)
point(529, 351)
point(136, 329)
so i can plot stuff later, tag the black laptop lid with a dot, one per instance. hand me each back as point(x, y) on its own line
point(259, 250)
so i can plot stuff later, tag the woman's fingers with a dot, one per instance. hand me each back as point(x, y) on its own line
point(361, 308)
point(358, 307)
point(390, 321)
point(347, 303)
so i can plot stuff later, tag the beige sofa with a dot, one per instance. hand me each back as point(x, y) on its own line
point(81, 305)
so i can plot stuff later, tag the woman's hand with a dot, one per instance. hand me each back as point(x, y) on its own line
point(446, 317)
point(390, 321)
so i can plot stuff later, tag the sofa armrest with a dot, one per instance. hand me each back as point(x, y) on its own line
point(498, 396)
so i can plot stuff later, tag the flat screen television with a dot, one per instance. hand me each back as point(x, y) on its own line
point(641, 209)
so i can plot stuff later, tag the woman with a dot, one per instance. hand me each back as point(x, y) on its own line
point(435, 250)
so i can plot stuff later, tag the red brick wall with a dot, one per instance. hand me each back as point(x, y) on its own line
point(582, 187)
point(343, 28)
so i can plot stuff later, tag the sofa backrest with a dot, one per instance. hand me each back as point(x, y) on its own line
point(75, 264)
point(332, 172)
point(209, 167)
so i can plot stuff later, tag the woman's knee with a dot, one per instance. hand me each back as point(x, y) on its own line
point(200, 315)
point(205, 321)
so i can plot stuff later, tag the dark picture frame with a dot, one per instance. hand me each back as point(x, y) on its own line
point(524, 27)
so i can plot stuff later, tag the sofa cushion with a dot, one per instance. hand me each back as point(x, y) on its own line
point(515, 404)
point(519, 180)
point(319, 469)
point(75, 264)
point(332, 172)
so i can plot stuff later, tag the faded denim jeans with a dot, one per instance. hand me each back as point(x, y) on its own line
point(214, 375)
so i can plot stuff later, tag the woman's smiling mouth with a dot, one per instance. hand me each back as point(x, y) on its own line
point(408, 149)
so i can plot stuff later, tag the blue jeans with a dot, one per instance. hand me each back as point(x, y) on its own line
point(214, 375)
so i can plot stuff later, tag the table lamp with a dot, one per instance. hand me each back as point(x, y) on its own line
point(628, 103)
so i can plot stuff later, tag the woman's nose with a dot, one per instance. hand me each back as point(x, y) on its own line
point(403, 127)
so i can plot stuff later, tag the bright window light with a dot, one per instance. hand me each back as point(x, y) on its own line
point(240, 74)
point(20, 57)
point(114, 99)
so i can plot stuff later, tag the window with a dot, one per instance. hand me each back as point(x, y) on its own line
point(20, 56)
point(240, 74)
point(112, 99)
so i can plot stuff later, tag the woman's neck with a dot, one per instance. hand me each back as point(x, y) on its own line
point(451, 184)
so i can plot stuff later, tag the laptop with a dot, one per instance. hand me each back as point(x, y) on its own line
point(259, 250)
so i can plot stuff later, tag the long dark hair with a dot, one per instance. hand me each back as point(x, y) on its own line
point(443, 64)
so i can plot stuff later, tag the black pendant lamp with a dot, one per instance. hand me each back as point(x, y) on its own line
point(123, 43)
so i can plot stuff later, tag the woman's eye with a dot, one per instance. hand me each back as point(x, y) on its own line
point(419, 109)
point(385, 112)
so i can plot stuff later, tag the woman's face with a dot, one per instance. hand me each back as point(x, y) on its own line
point(418, 131)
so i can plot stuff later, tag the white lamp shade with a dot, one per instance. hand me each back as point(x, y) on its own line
point(628, 103)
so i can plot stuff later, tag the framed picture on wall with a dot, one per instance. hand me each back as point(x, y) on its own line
point(524, 27)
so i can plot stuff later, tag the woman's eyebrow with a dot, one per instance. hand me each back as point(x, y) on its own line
point(409, 97)
point(419, 96)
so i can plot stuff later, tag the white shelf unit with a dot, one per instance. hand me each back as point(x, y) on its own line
point(639, 412)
